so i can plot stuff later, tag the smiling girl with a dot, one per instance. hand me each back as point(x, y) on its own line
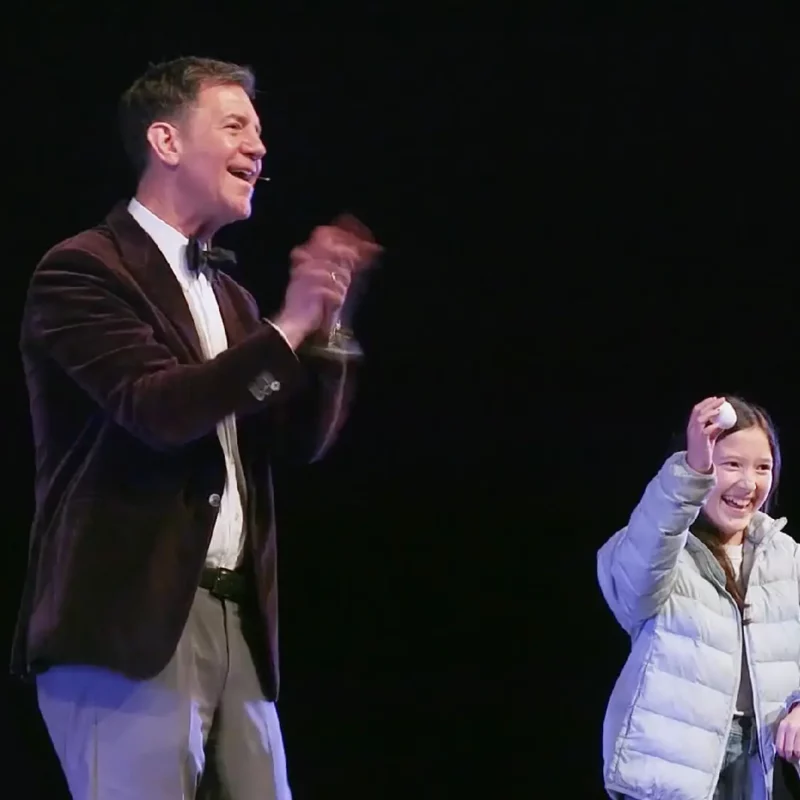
point(705, 582)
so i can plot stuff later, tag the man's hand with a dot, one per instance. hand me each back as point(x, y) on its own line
point(322, 269)
point(346, 241)
point(314, 286)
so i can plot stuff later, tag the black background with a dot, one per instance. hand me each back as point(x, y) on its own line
point(588, 228)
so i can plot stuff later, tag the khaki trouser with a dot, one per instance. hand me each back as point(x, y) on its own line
point(200, 729)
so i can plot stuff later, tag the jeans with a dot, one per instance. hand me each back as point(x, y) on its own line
point(741, 756)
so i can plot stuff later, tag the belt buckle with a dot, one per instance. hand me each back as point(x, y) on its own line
point(220, 581)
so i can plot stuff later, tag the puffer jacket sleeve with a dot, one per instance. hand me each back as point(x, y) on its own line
point(794, 698)
point(636, 567)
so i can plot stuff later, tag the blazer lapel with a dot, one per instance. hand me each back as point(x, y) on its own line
point(146, 263)
point(236, 328)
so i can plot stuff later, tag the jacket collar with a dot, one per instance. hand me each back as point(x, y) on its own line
point(763, 527)
point(760, 532)
point(144, 260)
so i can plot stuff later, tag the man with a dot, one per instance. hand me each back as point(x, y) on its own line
point(158, 397)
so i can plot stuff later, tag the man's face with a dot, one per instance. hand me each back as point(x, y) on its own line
point(219, 156)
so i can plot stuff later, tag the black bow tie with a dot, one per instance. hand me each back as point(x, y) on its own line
point(209, 260)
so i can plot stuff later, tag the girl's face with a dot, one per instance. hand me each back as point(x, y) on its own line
point(743, 464)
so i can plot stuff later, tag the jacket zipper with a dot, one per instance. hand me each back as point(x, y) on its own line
point(753, 688)
point(756, 709)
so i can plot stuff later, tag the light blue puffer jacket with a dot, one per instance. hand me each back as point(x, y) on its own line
point(667, 722)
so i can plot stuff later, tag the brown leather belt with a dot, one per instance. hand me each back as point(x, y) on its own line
point(225, 584)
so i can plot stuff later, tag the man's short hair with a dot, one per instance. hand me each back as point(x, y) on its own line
point(165, 91)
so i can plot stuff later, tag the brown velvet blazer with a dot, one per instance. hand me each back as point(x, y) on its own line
point(129, 468)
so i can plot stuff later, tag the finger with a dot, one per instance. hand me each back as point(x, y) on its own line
point(787, 740)
point(300, 253)
point(697, 413)
point(347, 257)
point(712, 432)
point(708, 418)
point(330, 296)
point(792, 742)
point(349, 223)
point(780, 739)
point(328, 235)
point(354, 256)
point(787, 745)
point(703, 403)
point(358, 236)
point(343, 279)
point(342, 235)
point(337, 290)
point(322, 272)
point(709, 404)
point(324, 248)
point(366, 250)
point(316, 267)
point(708, 410)
point(367, 253)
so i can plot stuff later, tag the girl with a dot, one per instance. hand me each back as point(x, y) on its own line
point(706, 585)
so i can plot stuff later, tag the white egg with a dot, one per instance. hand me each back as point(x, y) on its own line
point(726, 417)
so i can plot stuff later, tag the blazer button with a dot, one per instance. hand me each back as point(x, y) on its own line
point(214, 500)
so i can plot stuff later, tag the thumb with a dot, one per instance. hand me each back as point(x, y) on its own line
point(713, 432)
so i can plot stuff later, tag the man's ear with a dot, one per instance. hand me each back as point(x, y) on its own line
point(164, 139)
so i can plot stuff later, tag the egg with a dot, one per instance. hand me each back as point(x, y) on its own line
point(726, 416)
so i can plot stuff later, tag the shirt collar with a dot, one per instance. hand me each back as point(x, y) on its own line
point(170, 241)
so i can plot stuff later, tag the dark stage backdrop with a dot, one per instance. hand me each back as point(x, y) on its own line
point(586, 232)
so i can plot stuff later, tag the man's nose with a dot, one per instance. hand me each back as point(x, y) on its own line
point(255, 148)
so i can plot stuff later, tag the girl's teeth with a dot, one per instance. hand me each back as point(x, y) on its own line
point(736, 503)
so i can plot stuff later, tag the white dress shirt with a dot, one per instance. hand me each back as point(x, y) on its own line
point(226, 541)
